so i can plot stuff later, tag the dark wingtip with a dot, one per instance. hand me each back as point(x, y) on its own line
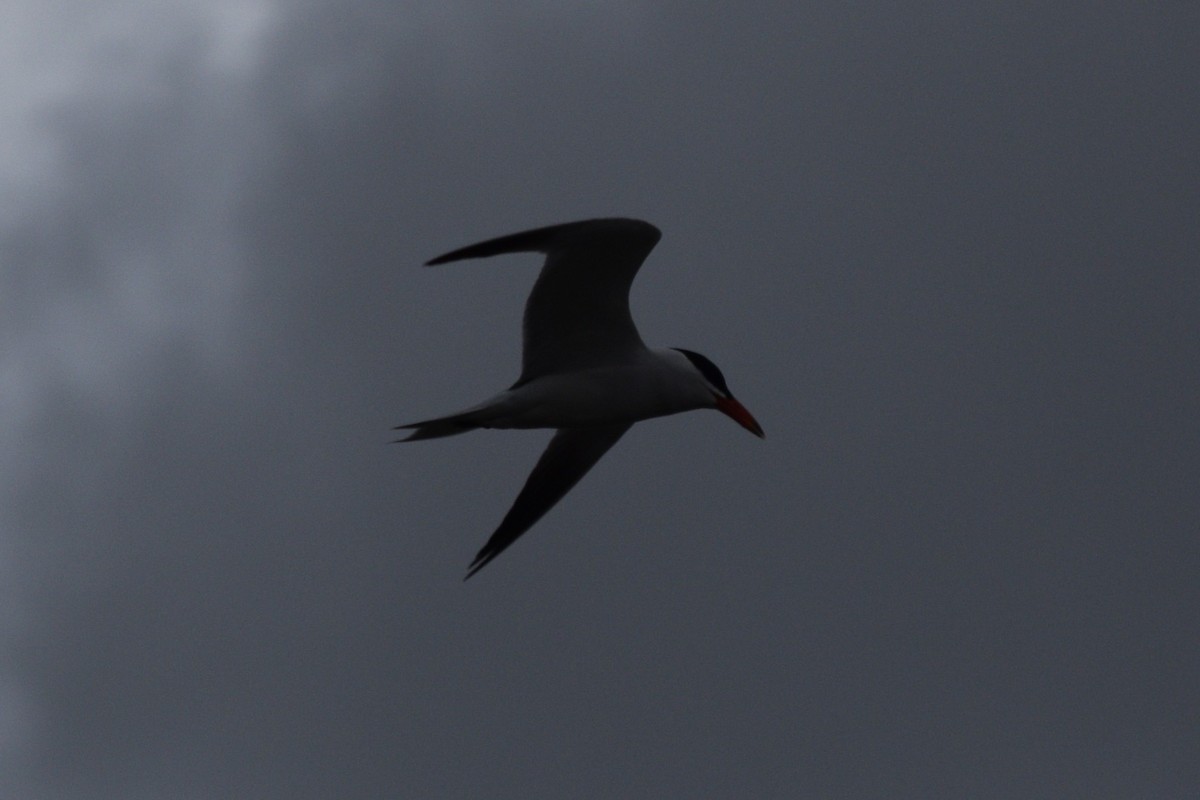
point(542, 240)
point(479, 563)
point(484, 557)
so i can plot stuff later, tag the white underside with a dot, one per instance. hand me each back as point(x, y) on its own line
point(660, 383)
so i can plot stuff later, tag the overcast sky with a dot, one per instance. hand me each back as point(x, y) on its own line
point(947, 253)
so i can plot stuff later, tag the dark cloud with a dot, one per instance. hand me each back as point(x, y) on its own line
point(945, 254)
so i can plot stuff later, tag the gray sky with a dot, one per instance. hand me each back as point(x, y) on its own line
point(946, 253)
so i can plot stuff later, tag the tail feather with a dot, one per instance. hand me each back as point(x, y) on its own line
point(437, 428)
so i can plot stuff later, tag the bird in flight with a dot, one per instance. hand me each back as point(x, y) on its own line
point(584, 369)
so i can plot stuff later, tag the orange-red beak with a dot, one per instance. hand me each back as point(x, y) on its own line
point(738, 413)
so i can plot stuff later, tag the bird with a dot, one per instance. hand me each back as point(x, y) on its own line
point(585, 371)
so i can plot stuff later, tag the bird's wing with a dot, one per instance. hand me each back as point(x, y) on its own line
point(578, 313)
point(572, 452)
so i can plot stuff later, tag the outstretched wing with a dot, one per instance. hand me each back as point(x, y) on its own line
point(572, 452)
point(578, 313)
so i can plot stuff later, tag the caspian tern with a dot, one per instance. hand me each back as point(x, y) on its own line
point(585, 370)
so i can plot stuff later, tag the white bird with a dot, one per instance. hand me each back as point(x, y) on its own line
point(585, 370)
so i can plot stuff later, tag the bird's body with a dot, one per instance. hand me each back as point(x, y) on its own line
point(585, 370)
point(647, 386)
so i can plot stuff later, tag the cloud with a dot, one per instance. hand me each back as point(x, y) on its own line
point(127, 135)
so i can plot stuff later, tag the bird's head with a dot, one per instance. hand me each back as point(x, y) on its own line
point(722, 399)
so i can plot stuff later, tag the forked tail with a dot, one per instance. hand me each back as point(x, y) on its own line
point(451, 425)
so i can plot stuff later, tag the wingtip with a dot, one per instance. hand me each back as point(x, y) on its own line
point(542, 240)
point(476, 565)
point(484, 557)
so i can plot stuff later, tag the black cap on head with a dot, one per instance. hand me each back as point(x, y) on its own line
point(708, 369)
